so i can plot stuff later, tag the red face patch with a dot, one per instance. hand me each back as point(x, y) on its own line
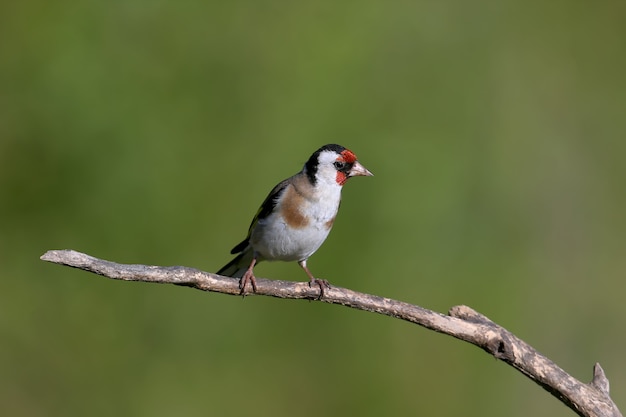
point(341, 178)
point(348, 156)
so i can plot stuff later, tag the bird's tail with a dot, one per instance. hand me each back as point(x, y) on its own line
point(238, 266)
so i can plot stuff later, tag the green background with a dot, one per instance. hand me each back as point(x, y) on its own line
point(150, 131)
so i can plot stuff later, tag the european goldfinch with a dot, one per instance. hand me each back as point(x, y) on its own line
point(297, 215)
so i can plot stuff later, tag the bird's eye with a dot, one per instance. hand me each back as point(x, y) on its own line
point(339, 165)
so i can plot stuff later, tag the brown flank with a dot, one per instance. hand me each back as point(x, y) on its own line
point(289, 208)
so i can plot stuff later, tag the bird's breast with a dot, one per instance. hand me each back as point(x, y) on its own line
point(297, 228)
point(317, 210)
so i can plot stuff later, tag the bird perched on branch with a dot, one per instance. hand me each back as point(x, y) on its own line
point(297, 215)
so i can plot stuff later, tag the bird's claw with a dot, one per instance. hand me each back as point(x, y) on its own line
point(322, 283)
point(247, 277)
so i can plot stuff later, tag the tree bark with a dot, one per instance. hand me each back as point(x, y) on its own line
point(589, 400)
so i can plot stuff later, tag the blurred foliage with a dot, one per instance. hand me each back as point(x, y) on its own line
point(149, 131)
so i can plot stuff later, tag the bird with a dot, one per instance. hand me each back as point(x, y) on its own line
point(296, 216)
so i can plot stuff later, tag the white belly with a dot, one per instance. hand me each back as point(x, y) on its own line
point(273, 240)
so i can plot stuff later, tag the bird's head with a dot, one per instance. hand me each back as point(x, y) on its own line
point(333, 164)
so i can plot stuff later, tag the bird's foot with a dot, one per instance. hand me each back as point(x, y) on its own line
point(247, 277)
point(322, 283)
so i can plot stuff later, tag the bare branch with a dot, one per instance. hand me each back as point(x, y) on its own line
point(590, 400)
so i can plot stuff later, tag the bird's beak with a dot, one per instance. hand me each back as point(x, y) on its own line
point(359, 170)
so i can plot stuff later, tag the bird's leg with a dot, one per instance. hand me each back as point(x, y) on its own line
point(248, 276)
point(322, 283)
